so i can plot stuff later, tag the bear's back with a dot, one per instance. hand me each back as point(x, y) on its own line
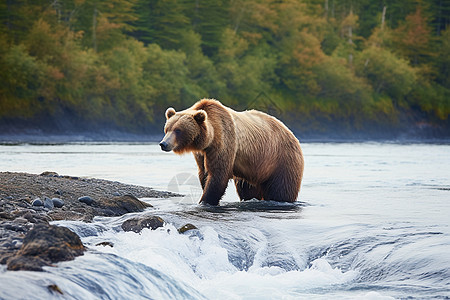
point(263, 142)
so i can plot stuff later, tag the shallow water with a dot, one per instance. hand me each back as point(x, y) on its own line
point(372, 222)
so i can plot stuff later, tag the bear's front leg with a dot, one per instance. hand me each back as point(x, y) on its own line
point(214, 190)
point(217, 173)
point(202, 174)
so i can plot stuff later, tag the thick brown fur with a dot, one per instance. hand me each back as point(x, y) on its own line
point(257, 150)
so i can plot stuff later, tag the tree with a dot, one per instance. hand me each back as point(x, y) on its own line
point(245, 72)
point(210, 18)
point(387, 73)
point(202, 80)
point(412, 38)
point(19, 86)
point(162, 22)
point(443, 59)
point(84, 15)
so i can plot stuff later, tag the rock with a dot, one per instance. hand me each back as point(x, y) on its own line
point(44, 245)
point(16, 244)
point(37, 202)
point(19, 213)
point(29, 217)
point(86, 199)
point(17, 227)
point(55, 288)
point(186, 227)
point(105, 244)
point(48, 203)
point(57, 202)
point(141, 222)
point(71, 215)
point(118, 206)
point(20, 220)
point(5, 216)
point(49, 174)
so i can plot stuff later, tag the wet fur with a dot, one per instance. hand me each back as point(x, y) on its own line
point(258, 151)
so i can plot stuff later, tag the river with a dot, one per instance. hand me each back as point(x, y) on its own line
point(372, 222)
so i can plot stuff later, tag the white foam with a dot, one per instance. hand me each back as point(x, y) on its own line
point(374, 296)
point(274, 282)
point(203, 264)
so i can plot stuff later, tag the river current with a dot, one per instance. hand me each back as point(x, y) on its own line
point(372, 222)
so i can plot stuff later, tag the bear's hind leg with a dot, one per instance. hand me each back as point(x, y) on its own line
point(282, 188)
point(246, 191)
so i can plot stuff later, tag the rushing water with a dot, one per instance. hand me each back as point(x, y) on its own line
point(372, 222)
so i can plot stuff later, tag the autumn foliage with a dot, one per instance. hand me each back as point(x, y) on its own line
point(323, 66)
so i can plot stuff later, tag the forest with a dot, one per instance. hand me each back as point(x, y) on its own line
point(324, 67)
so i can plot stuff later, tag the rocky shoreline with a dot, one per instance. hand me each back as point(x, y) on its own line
point(28, 202)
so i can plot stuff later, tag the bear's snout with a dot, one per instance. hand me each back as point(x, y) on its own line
point(169, 142)
point(164, 146)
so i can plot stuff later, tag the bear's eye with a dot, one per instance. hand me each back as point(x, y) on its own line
point(177, 131)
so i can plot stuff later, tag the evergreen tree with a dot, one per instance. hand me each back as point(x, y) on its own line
point(162, 22)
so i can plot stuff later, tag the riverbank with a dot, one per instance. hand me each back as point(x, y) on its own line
point(410, 128)
point(122, 137)
point(29, 201)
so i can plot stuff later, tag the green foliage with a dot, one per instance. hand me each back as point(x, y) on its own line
point(210, 18)
point(20, 84)
point(433, 99)
point(162, 22)
point(386, 73)
point(443, 60)
point(245, 74)
point(165, 71)
point(320, 63)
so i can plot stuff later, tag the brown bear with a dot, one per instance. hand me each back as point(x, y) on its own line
point(257, 150)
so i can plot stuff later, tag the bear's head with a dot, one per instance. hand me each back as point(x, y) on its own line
point(185, 131)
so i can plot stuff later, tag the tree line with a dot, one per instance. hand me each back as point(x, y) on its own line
point(321, 64)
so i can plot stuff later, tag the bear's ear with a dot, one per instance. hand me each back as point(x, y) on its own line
point(170, 112)
point(200, 116)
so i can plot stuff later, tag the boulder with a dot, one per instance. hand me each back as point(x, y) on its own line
point(46, 244)
point(117, 206)
point(138, 223)
point(104, 244)
point(86, 199)
point(186, 227)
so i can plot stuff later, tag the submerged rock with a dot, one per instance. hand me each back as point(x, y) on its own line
point(104, 244)
point(55, 288)
point(46, 244)
point(186, 227)
point(141, 222)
